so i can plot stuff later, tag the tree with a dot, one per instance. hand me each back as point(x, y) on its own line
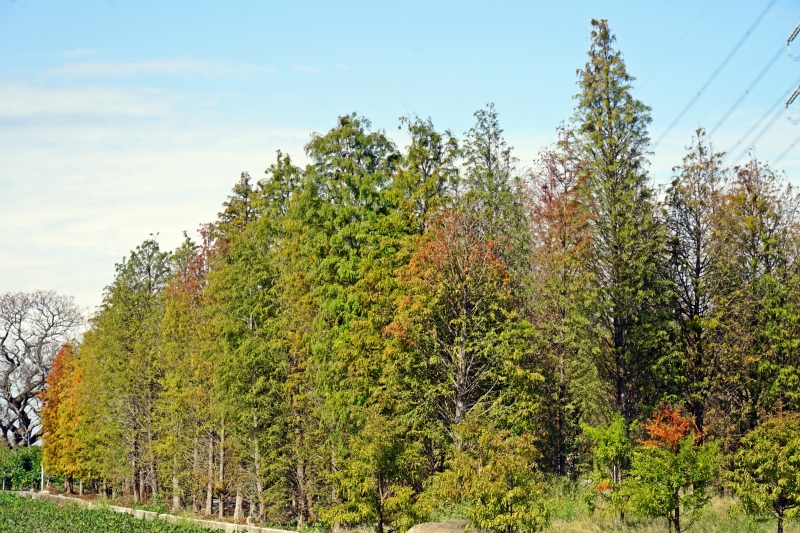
point(459, 309)
point(758, 232)
point(33, 326)
point(629, 261)
point(493, 477)
point(766, 470)
point(671, 470)
point(556, 293)
point(60, 416)
point(182, 410)
point(126, 364)
point(376, 481)
point(611, 452)
point(693, 205)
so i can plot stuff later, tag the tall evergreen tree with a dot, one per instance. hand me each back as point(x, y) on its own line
point(628, 261)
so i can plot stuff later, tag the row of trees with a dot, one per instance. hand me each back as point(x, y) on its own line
point(383, 334)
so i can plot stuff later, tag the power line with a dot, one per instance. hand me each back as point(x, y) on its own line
point(758, 137)
point(747, 91)
point(739, 80)
point(676, 45)
point(777, 103)
point(716, 72)
point(786, 151)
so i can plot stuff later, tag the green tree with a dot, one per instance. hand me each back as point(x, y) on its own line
point(126, 364)
point(671, 471)
point(611, 452)
point(693, 205)
point(629, 262)
point(758, 233)
point(766, 470)
point(493, 478)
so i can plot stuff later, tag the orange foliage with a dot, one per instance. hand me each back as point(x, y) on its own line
point(59, 416)
point(457, 248)
point(667, 427)
point(605, 485)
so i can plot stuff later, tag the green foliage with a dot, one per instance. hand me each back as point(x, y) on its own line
point(630, 307)
point(766, 470)
point(20, 467)
point(611, 452)
point(662, 483)
point(493, 478)
point(21, 515)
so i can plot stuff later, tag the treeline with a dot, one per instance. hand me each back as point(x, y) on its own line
point(385, 333)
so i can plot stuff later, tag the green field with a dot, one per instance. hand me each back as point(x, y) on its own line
point(21, 515)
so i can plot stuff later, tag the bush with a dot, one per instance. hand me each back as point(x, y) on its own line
point(20, 467)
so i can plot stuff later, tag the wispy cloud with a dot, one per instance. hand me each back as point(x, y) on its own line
point(88, 172)
point(20, 100)
point(158, 67)
point(306, 68)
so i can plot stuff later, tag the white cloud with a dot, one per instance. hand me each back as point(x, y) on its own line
point(307, 69)
point(25, 100)
point(78, 194)
point(162, 67)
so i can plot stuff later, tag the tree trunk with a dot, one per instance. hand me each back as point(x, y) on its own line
point(176, 493)
point(259, 481)
point(300, 500)
point(237, 510)
point(195, 469)
point(780, 523)
point(80, 487)
point(210, 486)
point(222, 470)
point(676, 498)
point(142, 486)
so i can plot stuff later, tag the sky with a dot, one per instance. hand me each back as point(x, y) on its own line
point(119, 120)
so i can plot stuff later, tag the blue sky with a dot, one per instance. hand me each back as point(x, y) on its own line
point(121, 119)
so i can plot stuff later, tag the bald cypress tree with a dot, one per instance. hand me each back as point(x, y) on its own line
point(628, 261)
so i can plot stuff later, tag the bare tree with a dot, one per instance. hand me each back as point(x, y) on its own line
point(33, 326)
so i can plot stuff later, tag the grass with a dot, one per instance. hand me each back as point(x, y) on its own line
point(572, 515)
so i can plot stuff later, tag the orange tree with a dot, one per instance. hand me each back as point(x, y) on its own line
point(670, 470)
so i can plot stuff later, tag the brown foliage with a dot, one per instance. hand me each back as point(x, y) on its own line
point(667, 428)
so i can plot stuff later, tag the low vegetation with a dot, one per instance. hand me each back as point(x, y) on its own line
point(21, 515)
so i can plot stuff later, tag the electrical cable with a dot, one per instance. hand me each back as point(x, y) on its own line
point(676, 45)
point(777, 103)
point(716, 72)
point(746, 92)
point(739, 80)
point(786, 151)
point(758, 137)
